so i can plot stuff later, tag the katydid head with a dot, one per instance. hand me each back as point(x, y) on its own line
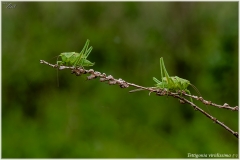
point(57, 59)
point(65, 56)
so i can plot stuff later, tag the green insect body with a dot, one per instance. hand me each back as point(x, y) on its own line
point(76, 59)
point(173, 84)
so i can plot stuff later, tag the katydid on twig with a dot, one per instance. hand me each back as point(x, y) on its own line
point(76, 59)
point(174, 84)
point(168, 83)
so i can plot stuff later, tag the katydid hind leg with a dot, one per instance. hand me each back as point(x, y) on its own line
point(85, 46)
point(164, 68)
point(165, 71)
point(82, 53)
point(169, 80)
point(84, 61)
point(86, 53)
point(161, 68)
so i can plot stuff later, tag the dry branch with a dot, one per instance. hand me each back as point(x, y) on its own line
point(160, 92)
point(224, 106)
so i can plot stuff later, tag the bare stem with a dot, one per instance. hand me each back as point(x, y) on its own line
point(160, 92)
point(224, 106)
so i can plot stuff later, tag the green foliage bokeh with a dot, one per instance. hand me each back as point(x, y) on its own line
point(89, 119)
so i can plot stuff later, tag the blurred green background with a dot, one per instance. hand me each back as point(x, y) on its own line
point(89, 119)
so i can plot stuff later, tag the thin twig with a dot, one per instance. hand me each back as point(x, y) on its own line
point(205, 113)
point(224, 106)
point(160, 92)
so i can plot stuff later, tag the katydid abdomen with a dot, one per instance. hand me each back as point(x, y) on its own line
point(73, 58)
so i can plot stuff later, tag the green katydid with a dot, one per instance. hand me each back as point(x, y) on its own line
point(175, 83)
point(76, 59)
point(172, 83)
